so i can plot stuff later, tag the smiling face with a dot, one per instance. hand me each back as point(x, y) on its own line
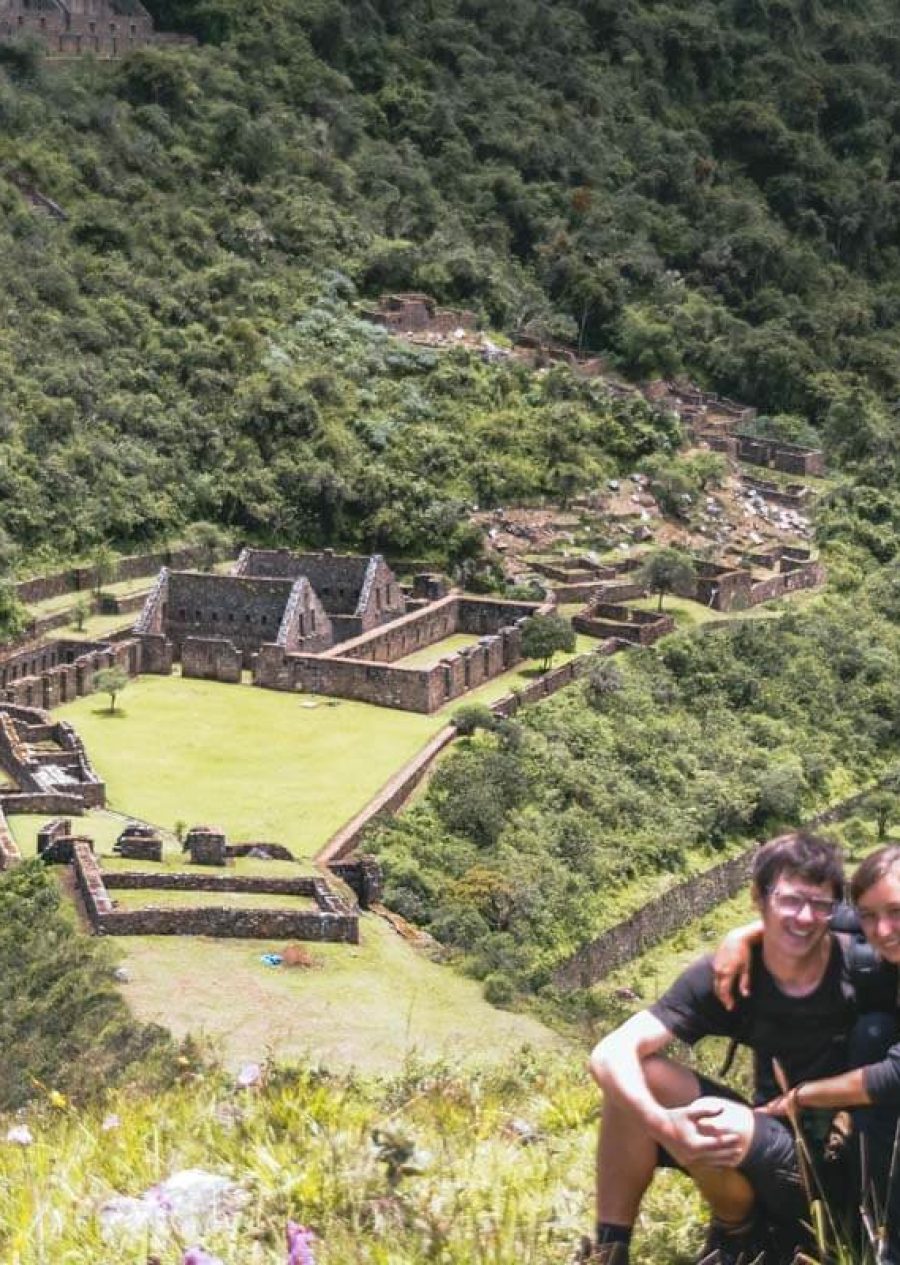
point(795, 915)
point(879, 914)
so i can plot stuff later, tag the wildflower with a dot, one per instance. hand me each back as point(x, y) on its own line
point(111, 1121)
point(58, 1100)
point(299, 1242)
point(197, 1256)
point(20, 1134)
point(249, 1075)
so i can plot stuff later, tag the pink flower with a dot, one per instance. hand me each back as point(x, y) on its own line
point(197, 1256)
point(299, 1242)
point(249, 1075)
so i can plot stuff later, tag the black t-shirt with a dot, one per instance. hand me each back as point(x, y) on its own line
point(807, 1035)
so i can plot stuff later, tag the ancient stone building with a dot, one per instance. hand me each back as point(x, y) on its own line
point(416, 314)
point(106, 28)
point(357, 592)
point(301, 603)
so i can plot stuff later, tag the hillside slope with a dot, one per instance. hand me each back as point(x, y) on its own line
point(706, 187)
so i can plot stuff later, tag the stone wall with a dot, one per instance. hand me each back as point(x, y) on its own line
point(606, 619)
point(657, 919)
point(304, 885)
point(574, 570)
point(247, 611)
point(84, 579)
point(211, 659)
point(9, 851)
point(333, 921)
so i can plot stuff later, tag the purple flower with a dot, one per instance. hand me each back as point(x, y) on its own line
point(197, 1256)
point(299, 1242)
point(249, 1075)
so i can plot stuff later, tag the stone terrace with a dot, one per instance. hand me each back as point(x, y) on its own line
point(333, 921)
point(366, 668)
point(48, 763)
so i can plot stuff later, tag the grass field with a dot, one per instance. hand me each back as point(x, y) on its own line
point(368, 1006)
point(258, 763)
point(266, 767)
point(159, 898)
point(428, 656)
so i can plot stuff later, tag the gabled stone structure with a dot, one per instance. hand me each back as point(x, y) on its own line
point(67, 28)
point(215, 625)
point(358, 592)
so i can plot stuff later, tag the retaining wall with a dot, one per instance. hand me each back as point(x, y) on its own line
point(656, 920)
point(9, 851)
point(332, 922)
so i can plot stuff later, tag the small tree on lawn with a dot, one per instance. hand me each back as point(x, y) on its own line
point(111, 681)
point(80, 613)
point(544, 636)
point(665, 570)
point(104, 561)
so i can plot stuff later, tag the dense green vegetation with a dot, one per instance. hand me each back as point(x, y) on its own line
point(63, 1023)
point(527, 838)
point(711, 188)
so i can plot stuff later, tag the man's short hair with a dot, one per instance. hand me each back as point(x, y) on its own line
point(873, 869)
point(803, 855)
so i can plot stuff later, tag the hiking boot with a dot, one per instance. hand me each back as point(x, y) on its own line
point(724, 1246)
point(610, 1254)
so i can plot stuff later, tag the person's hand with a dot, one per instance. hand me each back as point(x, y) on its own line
point(783, 1105)
point(709, 1131)
point(731, 969)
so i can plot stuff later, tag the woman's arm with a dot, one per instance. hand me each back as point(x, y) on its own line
point(847, 1090)
point(731, 963)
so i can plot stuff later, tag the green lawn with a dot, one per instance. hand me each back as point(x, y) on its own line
point(369, 1006)
point(161, 898)
point(428, 656)
point(261, 764)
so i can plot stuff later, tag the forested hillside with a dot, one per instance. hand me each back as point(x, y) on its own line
point(709, 187)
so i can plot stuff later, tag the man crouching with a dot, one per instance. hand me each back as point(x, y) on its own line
point(658, 1112)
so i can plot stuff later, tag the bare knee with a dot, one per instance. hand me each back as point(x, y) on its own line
point(672, 1084)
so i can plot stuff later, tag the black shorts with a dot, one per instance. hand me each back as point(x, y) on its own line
point(771, 1165)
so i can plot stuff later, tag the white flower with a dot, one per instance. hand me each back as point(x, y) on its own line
point(111, 1121)
point(20, 1134)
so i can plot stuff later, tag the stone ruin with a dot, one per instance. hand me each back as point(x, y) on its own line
point(369, 668)
point(46, 763)
point(48, 673)
point(416, 313)
point(206, 845)
point(624, 623)
point(333, 919)
point(753, 578)
point(326, 624)
point(215, 625)
point(69, 28)
point(138, 842)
